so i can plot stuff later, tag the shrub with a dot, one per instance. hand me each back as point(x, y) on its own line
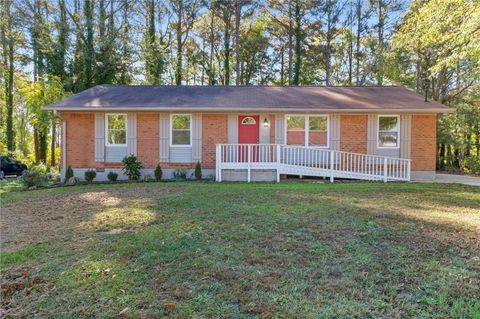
point(132, 167)
point(90, 175)
point(470, 165)
point(198, 171)
point(148, 178)
point(112, 176)
point(180, 173)
point(40, 168)
point(32, 178)
point(72, 180)
point(53, 176)
point(158, 173)
point(68, 173)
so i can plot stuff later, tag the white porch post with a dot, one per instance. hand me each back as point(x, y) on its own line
point(385, 165)
point(249, 156)
point(408, 169)
point(331, 165)
point(218, 159)
point(277, 146)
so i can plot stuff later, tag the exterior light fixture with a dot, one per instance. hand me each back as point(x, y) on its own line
point(265, 123)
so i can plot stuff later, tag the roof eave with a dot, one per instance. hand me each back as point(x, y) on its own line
point(240, 109)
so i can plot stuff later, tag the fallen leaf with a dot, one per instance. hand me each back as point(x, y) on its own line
point(124, 311)
point(171, 306)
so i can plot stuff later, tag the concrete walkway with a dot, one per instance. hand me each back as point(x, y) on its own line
point(454, 179)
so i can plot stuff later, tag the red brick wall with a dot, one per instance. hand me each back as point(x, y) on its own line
point(80, 139)
point(148, 127)
point(214, 131)
point(353, 133)
point(424, 142)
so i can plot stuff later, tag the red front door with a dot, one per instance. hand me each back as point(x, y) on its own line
point(248, 133)
point(248, 129)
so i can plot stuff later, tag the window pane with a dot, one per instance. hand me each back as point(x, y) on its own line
point(387, 139)
point(296, 122)
point(181, 122)
point(249, 121)
point(117, 133)
point(318, 123)
point(296, 130)
point(387, 123)
point(317, 138)
point(116, 122)
point(181, 137)
point(117, 137)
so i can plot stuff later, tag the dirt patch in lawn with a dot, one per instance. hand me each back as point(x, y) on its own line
point(75, 216)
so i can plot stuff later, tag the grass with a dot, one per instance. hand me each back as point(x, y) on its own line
point(292, 249)
point(28, 253)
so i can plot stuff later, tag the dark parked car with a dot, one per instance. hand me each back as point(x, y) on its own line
point(10, 166)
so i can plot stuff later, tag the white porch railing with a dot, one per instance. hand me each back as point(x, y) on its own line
point(309, 161)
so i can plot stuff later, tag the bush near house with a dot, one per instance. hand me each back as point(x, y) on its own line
point(72, 180)
point(198, 171)
point(158, 173)
point(112, 176)
point(90, 175)
point(31, 178)
point(180, 174)
point(132, 167)
point(68, 173)
point(148, 178)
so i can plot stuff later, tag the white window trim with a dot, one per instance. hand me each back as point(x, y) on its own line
point(307, 128)
point(397, 130)
point(107, 143)
point(171, 130)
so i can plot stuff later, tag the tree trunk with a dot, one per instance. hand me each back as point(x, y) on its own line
point(441, 156)
point(290, 43)
point(238, 16)
point(357, 44)
point(89, 49)
point(43, 145)
point(328, 45)
point(8, 52)
point(211, 75)
point(178, 71)
point(381, 26)
point(298, 43)
point(226, 44)
point(53, 161)
point(36, 145)
point(282, 67)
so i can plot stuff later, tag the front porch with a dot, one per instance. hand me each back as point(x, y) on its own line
point(266, 162)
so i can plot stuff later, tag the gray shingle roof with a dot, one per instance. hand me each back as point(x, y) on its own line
point(243, 98)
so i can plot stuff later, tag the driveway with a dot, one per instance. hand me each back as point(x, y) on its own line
point(457, 179)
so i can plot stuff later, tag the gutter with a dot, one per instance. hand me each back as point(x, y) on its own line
point(240, 109)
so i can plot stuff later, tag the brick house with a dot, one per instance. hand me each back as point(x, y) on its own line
point(252, 132)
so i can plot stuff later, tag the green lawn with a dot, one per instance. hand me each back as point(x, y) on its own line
point(303, 250)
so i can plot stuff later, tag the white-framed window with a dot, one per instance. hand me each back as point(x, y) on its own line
point(388, 131)
point(307, 130)
point(116, 129)
point(181, 133)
